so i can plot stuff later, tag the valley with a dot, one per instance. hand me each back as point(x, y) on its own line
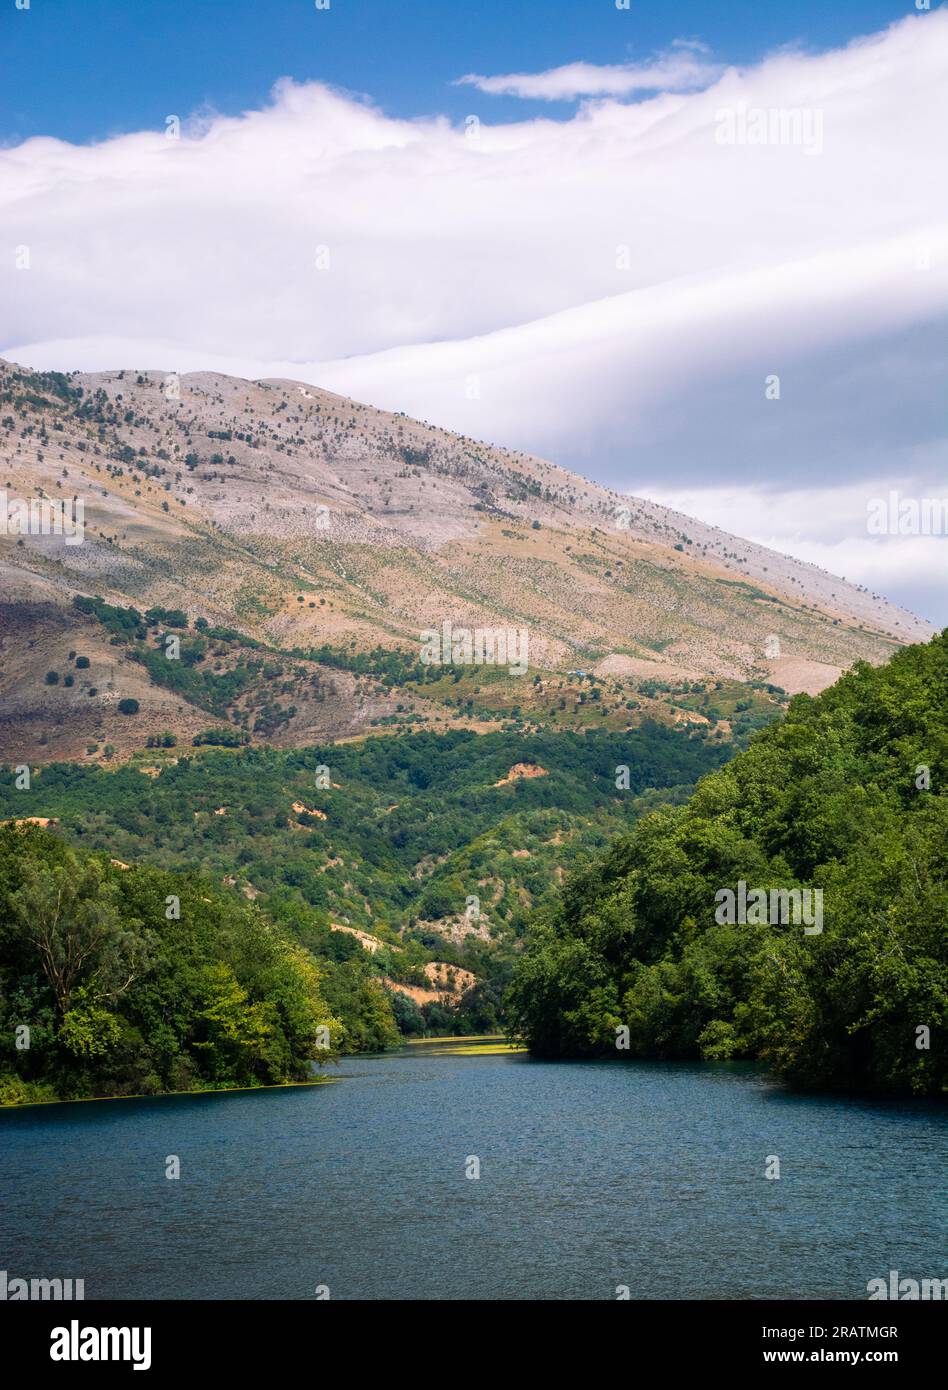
point(386, 692)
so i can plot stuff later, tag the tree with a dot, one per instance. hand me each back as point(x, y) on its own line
point(69, 915)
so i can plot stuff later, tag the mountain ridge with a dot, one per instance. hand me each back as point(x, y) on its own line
point(326, 531)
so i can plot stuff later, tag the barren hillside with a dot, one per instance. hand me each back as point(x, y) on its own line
point(304, 529)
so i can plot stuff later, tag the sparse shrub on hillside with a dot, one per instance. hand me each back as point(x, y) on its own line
point(222, 737)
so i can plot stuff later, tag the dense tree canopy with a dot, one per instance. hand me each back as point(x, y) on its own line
point(849, 794)
point(386, 835)
point(118, 980)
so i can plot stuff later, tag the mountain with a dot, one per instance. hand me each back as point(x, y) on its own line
point(298, 544)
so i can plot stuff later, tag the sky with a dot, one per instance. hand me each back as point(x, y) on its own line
point(698, 252)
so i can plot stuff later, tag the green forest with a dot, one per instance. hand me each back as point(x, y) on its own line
point(122, 981)
point(389, 836)
point(177, 926)
point(848, 795)
point(391, 830)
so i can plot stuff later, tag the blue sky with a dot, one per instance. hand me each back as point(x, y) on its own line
point(583, 253)
point(86, 69)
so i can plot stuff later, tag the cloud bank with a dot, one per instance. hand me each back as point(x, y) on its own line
point(618, 290)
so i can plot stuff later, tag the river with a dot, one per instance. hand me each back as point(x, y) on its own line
point(593, 1177)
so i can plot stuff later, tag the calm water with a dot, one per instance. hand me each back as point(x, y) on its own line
point(592, 1175)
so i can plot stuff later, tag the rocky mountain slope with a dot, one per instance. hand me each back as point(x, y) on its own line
point(313, 536)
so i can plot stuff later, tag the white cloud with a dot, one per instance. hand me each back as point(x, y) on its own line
point(684, 67)
point(617, 285)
